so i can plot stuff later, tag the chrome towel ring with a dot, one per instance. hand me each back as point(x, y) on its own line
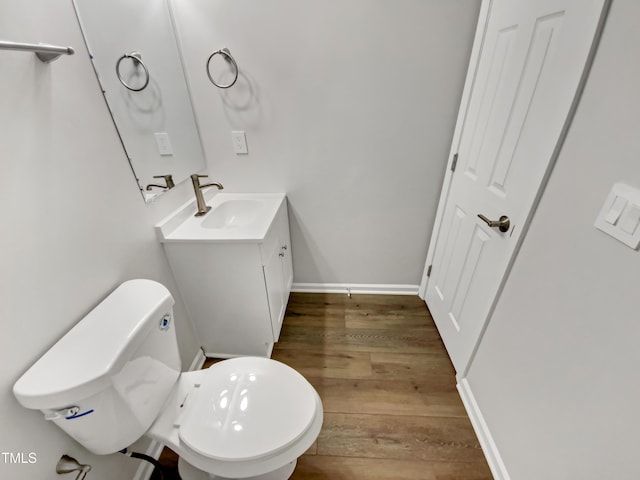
point(137, 60)
point(227, 56)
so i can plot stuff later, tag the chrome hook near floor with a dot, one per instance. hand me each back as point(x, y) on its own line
point(68, 464)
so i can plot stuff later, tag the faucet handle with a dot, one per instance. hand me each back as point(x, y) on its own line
point(195, 177)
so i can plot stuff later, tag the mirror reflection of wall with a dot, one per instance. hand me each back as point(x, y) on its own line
point(156, 123)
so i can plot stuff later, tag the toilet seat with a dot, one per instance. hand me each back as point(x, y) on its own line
point(247, 408)
point(186, 423)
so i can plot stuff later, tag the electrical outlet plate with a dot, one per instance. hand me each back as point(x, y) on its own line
point(620, 215)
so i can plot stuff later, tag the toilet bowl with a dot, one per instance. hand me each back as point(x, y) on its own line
point(116, 376)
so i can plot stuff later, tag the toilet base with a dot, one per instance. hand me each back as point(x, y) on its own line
point(189, 472)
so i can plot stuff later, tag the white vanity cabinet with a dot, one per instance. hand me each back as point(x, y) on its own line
point(235, 289)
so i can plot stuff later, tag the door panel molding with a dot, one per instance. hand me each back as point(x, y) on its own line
point(476, 50)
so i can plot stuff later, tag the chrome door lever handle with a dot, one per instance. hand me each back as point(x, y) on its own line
point(502, 224)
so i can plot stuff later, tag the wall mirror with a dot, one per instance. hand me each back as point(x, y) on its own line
point(135, 55)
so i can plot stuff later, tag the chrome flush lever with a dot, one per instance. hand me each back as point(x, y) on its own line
point(501, 224)
point(68, 464)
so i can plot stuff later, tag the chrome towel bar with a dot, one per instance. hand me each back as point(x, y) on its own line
point(46, 53)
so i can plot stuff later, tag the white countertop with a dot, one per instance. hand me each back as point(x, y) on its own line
point(183, 226)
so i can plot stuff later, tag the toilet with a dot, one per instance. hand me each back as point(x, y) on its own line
point(116, 376)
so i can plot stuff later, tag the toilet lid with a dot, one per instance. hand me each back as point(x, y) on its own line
point(248, 408)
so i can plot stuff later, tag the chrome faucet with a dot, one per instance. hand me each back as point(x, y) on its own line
point(197, 188)
point(168, 180)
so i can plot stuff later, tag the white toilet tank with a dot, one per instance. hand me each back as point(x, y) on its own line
point(107, 379)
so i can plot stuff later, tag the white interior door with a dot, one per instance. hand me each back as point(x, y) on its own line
point(529, 71)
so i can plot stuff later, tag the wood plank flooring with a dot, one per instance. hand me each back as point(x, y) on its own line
point(391, 409)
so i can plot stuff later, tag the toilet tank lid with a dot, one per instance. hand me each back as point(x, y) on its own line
point(81, 363)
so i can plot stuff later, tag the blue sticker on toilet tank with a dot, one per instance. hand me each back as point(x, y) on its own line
point(165, 322)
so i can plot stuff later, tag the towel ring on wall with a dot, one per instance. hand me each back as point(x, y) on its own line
point(227, 56)
point(137, 60)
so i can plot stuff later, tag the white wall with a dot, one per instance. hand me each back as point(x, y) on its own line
point(556, 372)
point(349, 108)
point(74, 225)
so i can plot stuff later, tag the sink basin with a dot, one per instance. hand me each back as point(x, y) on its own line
point(234, 214)
point(234, 217)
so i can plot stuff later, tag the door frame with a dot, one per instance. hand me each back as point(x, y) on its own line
point(478, 44)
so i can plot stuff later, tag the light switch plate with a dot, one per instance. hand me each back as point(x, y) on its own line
point(620, 215)
point(164, 143)
point(616, 210)
point(630, 221)
point(239, 142)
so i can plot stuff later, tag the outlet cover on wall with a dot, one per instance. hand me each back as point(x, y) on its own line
point(239, 142)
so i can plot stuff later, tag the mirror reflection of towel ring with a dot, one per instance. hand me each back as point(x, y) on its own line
point(227, 56)
point(137, 60)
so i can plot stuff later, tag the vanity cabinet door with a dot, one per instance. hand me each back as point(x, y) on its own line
point(274, 280)
point(285, 249)
point(278, 270)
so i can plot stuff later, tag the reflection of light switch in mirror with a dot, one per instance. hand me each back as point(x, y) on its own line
point(163, 143)
point(239, 142)
point(620, 215)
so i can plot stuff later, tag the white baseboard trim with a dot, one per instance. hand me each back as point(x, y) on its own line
point(226, 356)
point(346, 288)
point(490, 449)
point(198, 361)
point(268, 349)
point(145, 469)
